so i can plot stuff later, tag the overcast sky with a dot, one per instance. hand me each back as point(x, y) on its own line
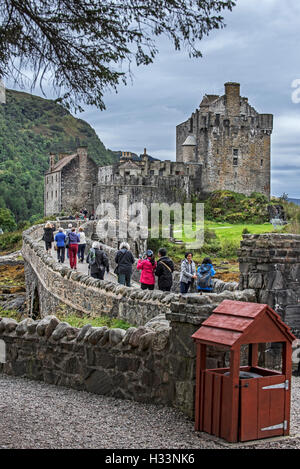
point(259, 48)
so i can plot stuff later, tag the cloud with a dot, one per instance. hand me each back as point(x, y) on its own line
point(258, 48)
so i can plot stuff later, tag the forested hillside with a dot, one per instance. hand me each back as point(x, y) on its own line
point(30, 128)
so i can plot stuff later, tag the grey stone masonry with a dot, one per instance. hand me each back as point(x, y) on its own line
point(270, 264)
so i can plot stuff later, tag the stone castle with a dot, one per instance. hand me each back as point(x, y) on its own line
point(224, 145)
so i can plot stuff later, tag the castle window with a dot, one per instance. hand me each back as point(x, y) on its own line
point(217, 121)
point(56, 194)
point(235, 152)
point(151, 172)
point(56, 177)
point(235, 161)
point(51, 194)
point(191, 125)
point(261, 163)
point(161, 172)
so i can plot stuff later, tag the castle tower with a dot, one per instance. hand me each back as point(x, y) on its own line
point(232, 143)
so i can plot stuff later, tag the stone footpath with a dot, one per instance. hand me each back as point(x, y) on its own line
point(83, 267)
point(35, 415)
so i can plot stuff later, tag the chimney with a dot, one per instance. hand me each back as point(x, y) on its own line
point(82, 151)
point(51, 161)
point(232, 93)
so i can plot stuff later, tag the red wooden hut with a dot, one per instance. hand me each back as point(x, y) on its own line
point(248, 402)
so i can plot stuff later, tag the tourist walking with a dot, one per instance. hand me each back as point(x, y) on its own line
point(124, 260)
point(73, 248)
point(147, 266)
point(68, 231)
point(205, 272)
point(187, 273)
point(48, 236)
point(164, 270)
point(98, 261)
point(60, 245)
point(81, 245)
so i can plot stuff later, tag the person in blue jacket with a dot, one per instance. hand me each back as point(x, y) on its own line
point(205, 272)
point(60, 244)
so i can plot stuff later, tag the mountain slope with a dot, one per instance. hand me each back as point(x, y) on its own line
point(30, 128)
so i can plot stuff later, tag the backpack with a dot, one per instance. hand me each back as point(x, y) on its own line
point(204, 276)
point(92, 257)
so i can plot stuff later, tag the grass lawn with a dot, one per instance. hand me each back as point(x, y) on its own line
point(228, 236)
point(225, 231)
point(73, 320)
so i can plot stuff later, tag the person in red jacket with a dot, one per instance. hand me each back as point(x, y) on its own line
point(147, 266)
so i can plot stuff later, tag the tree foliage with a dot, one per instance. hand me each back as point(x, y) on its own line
point(81, 44)
point(30, 128)
point(7, 221)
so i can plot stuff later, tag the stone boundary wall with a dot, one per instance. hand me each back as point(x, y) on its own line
point(152, 363)
point(270, 264)
point(132, 364)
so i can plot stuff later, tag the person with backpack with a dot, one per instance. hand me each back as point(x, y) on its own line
point(68, 231)
point(205, 272)
point(48, 236)
point(124, 260)
point(147, 266)
point(187, 273)
point(98, 261)
point(164, 270)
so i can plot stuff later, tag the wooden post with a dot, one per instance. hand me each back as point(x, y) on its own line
point(253, 355)
point(200, 367)
point(233, 401)
point(287, 371)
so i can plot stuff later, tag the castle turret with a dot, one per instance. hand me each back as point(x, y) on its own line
point(188, 149)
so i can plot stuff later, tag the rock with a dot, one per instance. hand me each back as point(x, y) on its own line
point(146, 340)
point(160, 340)
point(83, 332)
point(158, 323)
point(116, 336)
point(60, 331)
point(97, 334)
point(105, 338)
point(51, 327)
point(43, 323)
point(71, 333)
point(31, 327)
point(135, 337)
point(21, 328)
point(128, 335)
point(8, 325)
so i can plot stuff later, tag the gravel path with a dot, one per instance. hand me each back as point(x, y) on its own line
point(38, 415)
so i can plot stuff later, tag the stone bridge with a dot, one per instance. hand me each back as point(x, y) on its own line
point(153, 361)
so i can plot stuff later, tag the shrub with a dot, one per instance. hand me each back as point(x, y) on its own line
point(229, 248)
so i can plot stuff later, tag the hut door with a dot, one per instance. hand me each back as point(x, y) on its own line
point(262, 412)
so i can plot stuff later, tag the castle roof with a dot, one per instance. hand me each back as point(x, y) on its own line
point(208, 99)
point(190, 141)
point(59, 165)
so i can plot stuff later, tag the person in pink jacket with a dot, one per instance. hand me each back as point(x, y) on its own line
point(147, 266)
